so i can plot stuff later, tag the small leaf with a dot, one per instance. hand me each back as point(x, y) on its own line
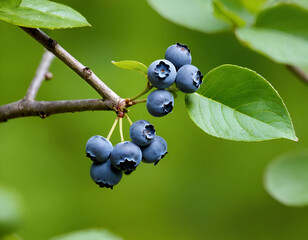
point(193, 14)
point(280, 33)
point(9, 3)
point(10, 211)
point(88, 235)
point(132, 65)
point(43, 14)
point(286, 178)
point(238, 104)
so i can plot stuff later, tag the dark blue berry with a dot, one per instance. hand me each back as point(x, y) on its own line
point(161, 74)
point(179, 55)
point(98, 148)
point(155, 151)
point(188, 79)
point(160, 103)
point(105, 175)
point(126, 156)
point(142, 133)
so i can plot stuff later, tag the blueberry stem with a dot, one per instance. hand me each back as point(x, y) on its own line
point(148, 87)
point(112, 128)
point(128, 119)
point(139, 101)
point(121, 129)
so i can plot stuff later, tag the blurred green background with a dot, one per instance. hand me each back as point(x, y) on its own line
point(205, 188)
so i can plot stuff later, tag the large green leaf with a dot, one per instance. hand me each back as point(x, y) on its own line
point(286, 178)
point(236, 103)
point(280, 33)
point(132, 65)
point(43, 14)
point(9, 3)
point(193, 14)
point(88, 235)
point(10, 211)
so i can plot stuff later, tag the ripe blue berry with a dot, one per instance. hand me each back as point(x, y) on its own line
point(126, 156)
point(161, 73)
point(105, 175)
point(155, 151)
point(98, 148)
point(179, 55)
point(142, 133)
point(188, 79)
point(160, 103)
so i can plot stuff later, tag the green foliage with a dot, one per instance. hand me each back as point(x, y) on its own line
point(88, 235)
point(221, 11)
point(236, 103)
point(194, 14)
point(286, 178)
point(9, 3)
point(280, 33)
point(277, 29)
point(42, 14)
point(132, 65)
point(10, 211)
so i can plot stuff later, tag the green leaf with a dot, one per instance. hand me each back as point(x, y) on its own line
point(223, 12)
point(280, 33)
point(238, 104)
point(9, 3)
point(193, 14)
point(271, 3)
point(88, 235)
point(43, 14)
point(286, 178)
point(132, 65)
point(10, 211)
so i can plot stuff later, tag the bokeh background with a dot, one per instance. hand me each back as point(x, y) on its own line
point(205, 188)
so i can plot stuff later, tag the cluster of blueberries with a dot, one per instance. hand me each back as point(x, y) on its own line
point(110, 162)
point(175, 68)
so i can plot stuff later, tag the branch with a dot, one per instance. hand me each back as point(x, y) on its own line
point(299, 73)
point(75, 65)
point(43, 109)
point(39, 76)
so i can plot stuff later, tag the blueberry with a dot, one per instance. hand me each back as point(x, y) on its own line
point(188, 79)
point(179, 55)
point(98, 148)
point(155, 151)
point(142, 133)
point(126, 156)
point(160, 103)
point(161, 73)
point(105, 175)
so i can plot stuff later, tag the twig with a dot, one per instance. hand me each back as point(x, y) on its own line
point(75, 65)
point(299, 73)
point(40, 75)
point(26, 108)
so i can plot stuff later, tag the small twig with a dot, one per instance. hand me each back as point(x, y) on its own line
point(84, 72)
point(147, 88)
point(121, 129)
point(299, 73)
point(26, 108)
point(112, 128)
point(39, 76)
point(128, 119)
point(139, 101)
